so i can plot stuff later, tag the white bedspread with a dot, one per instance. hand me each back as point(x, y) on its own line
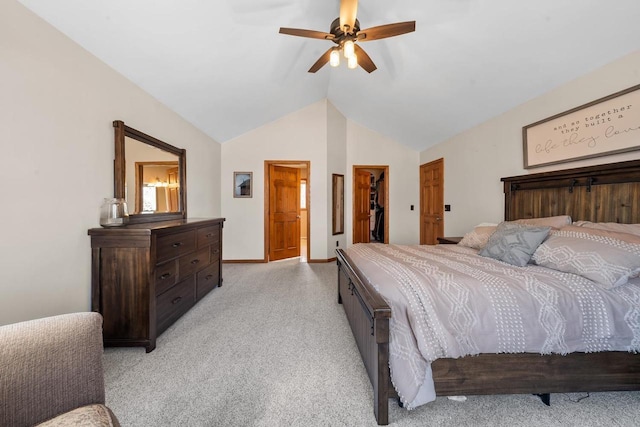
point(448, 302)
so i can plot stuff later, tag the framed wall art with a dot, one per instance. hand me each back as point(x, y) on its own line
point(242, 184)
point(605, 126)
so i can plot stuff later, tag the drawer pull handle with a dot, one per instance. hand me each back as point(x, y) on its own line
point(215, 251)
point(195, 261)
point(209, 277)
point(165, 276)
point(177, 244)
point(209, 235)
point(176, 300)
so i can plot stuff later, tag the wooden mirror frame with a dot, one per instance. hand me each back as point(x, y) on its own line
point(120, 173)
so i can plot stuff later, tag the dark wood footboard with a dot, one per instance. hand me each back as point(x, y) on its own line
point(368, 315)
point(536, 373)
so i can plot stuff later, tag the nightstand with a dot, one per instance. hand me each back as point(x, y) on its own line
point(449, 240)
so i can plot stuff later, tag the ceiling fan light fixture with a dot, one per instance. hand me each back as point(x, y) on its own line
point(334, 57)
point(345, 31)
point(352, 62)
point(349, 49)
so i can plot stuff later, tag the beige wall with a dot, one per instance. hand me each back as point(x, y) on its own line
point(301, 135)
point(321, 134)
point(475, 160)
point(57, 104)
point(336, 163)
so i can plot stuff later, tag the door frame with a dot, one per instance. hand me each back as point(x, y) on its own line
point(385, 169)
point(267, 200)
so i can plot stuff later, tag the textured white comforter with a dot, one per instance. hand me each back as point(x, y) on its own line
point(446, 301)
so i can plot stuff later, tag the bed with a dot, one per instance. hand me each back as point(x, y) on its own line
point(604, 193)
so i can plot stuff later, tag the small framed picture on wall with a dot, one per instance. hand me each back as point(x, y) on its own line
point(242, 184)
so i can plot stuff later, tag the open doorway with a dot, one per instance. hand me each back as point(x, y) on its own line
point(371, 204)
point(286, 210)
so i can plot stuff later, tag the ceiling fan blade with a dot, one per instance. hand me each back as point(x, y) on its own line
point(348, 11)
point(384, 31)
point(364, 61)
point(321, 61)
point(306, 33)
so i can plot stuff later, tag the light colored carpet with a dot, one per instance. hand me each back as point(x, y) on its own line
point(273, 348)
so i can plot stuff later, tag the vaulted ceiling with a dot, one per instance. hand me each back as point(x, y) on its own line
point(223, 66)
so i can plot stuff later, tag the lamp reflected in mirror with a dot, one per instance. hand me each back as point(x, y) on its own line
point(157, 187)
point(150, 174)
point(155, 179)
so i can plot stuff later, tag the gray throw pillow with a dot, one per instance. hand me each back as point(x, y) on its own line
point(514, 243)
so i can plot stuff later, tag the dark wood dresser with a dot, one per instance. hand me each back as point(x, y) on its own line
point(145, 276)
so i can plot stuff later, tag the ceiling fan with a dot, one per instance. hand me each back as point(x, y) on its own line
point(345, 32)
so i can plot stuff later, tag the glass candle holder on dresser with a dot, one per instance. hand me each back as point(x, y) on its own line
point(114, 213)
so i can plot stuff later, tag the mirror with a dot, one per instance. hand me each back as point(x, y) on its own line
point(152, 183)
point(150, 174)
point(337, 210)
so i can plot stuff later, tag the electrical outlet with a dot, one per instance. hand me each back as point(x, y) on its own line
point(337, 243)
point(447, 208)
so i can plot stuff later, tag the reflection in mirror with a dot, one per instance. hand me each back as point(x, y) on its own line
point(153, 183)
point(157, 187)
point(150, 174)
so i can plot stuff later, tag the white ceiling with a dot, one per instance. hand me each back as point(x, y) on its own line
point(222, 65)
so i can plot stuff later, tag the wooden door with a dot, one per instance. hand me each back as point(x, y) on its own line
point(173, 179)
point(431, 202)
point(284, 212)
point(361, 206)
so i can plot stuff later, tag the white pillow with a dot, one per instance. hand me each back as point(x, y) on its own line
point(605, 257)
point(479, 236)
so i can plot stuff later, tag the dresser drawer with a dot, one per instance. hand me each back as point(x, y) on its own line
point(208, 279)
point(208, 235)
point(215, 252)
point(174, 303)
point(166, 276)
point(193, 262)
point(171, 246)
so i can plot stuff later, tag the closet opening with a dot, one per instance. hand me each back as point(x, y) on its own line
point(371, 204)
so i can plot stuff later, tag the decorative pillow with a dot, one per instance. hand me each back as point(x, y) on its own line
point(478, 237)
point(550, 221)
point(605, 257)
point(514, 243)
point(611, 226)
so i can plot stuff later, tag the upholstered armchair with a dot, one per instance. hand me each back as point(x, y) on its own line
point(51, 372)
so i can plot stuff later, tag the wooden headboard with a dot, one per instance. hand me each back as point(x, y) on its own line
point(603, 193)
